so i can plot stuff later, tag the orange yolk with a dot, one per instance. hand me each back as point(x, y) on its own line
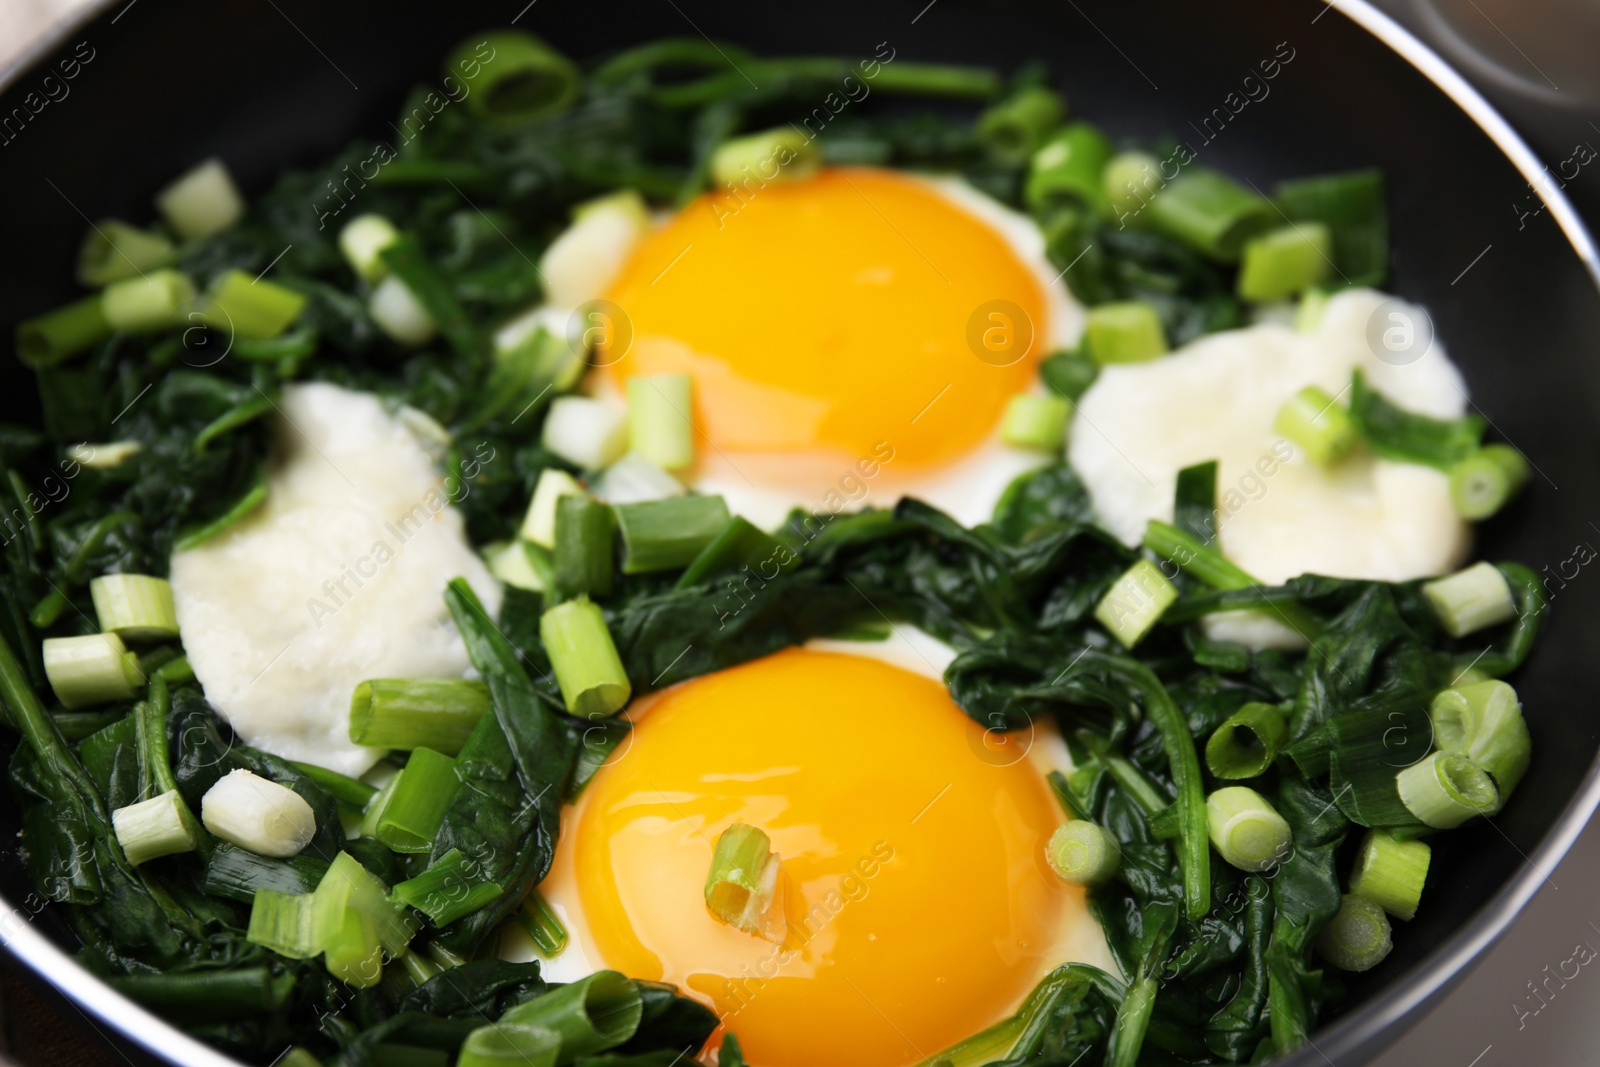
point(918, 904)
point(823, 317)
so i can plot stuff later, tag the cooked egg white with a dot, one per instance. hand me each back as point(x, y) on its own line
point(337, 578)
point(867, 889)
point(1279, 515)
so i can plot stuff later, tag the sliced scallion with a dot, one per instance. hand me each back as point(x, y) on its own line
point(659, 419)
point(1444, 791)
point(511, 562)
point(1309, 311)
point(352, 793)
point(410, 713)
point(660, 535)
point(1036, 420)
point(543, 925)
point(1247, 831)
point(1135, 601)
point(740, 544)
point(154, 301)
point(160, 826)
point(447, 890)
point(1124, 333)
point(1083, 853)
point(1471, 600)
point(282, 922)
point(1068, 168)
point(202, 202)
point(1130, 180)
point(586, 433)
point(1390, 873)
point(135, 607)
point(1318, 424)
point(1358, 937)
point(258, 814)
point(1484, 723)
point(539, 525)
point(521, 80)
point(591, 1015)
point(399, 314)
point(782, 153)
point(92, 669)
point(742, 884)
point(350, 886)
point(362, 240)
point(634, 480)
point(588, 670)
point(510, 1044)
point(1015, 128)
point(58, 335)
point(1210, 212)
point(1283, 262)
point(585, 555)
point(1247, 742)
point(250, 308)
point(1481, 483)
point(113, 251)
point(416, 806)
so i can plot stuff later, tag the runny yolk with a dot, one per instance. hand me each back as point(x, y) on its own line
point(919, 906)
point(823, 317)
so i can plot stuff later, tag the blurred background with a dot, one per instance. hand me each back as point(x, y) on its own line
point(1532, 999)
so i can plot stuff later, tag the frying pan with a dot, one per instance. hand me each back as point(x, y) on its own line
point(1510, 280)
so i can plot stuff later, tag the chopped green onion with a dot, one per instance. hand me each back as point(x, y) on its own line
point(410, 713)
point(588, 669)
point(1033, 420)
point(351, 793)
point(1314, 420)
point(661, 535)
point(1247, 831)
point(1390, 873)
point(1211, 213)
point(113, 251)
point(106, 456)
point(587, 433)
point(349, 941)
point(250, 308)
point(375, 807)
point(634, 480)
point(779, 154)
point(591, 1015)
point(1069, 374)
point(135, 607)
point(1352, 205)
point(1123, 333)
point(1471, 600)
point(511, 1045)
point(416, 805)
point(1214, 569)
point(741, 544)
point(176, 671)
point(1444, 791)
point(283, 923)
point(1309, 312)
point(1135, 602)
point(513, 563)
point(258, 814)
point(446, 891)
point(441, 955)
point(1481, 483)
point(1484, 723)
point(1083, 853)
point(1130, 180)
point(154, 301)
point(58, 335)
point(1014, 129)
point(419, 968)
point(92, 669)
point(1285, 261)
point(350, 886)
point(1247, 742)
point(659, 426)
point(543, 925)
point(1068, 168)
point(742, 884)
point(362, 240)
point(1357, 938)
point(298, 1057)
point(539, 525)
point(238, 874)
point(521, 80)
point(156, 827)
point(585, 556)
point(399, 314)
point(202, 202)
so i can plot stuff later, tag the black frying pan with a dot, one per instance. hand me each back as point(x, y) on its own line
point(265, 84)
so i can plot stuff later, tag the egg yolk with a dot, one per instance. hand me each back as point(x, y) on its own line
point(826, 319)
point(918, 904)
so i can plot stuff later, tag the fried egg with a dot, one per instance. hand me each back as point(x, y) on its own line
point(852, 338)
point(917, 902)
